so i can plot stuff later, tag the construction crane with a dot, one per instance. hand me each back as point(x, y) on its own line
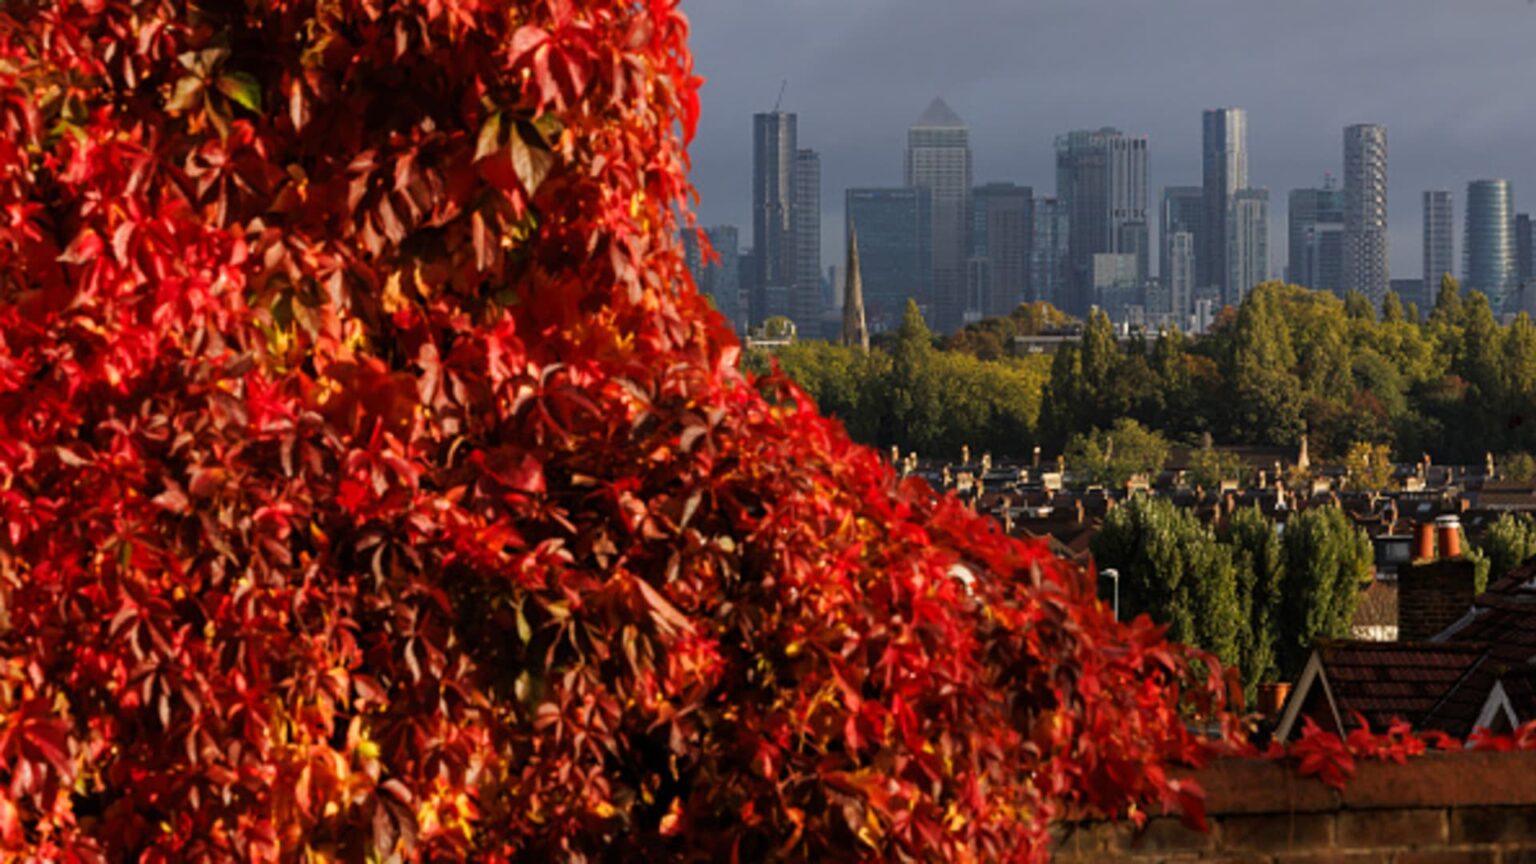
point(785, 86)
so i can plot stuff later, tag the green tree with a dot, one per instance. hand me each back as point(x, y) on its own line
point(1265, 395)
point(1519, 466)
point(916, 412)
point(1392, 308)
point(1209, 467)
point(1032, 319)
point(1173, 570)
point(1358, 306)
point(1509, 542)
point(1369, 467)
point(1115, 456)
point(1258, 559)
point(1328, 561)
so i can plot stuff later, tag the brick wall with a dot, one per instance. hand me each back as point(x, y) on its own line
point(1456, 808)
point(1433, 596)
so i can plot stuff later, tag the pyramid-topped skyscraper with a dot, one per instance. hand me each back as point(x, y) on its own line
point(939, 160)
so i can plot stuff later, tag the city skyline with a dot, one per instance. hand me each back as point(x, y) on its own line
point(858, 81)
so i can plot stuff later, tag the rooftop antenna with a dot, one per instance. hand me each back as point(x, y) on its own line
point(779, 101)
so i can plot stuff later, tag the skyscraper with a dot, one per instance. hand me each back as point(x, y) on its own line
point(1525, 249)
point(1248, 243)
point(1002, 233)
point(1488, 246)
point(805, 294)
point(720, 280)
point(939, 160)
point(1439, 238)
point(1178, 283)
point(1315, 222)
point(1183, 210)
point(1049, 255)
point(1101, 179)
point(1365, 211)
point(895, 229)
point(1225, 166)
point(774, 153)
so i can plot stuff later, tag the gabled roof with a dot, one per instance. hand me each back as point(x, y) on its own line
point(939, 116)
point(1448, 683)
point(1382, 681)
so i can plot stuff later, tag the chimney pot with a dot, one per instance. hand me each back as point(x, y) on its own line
point(1449, 530)
point(1424, 545)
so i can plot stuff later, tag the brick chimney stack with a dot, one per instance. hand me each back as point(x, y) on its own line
point(1435, 592)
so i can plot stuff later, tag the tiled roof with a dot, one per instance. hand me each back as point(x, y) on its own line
point(1386, 680)
point(1504, 619)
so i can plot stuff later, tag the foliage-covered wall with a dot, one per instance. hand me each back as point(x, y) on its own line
point(375, 485)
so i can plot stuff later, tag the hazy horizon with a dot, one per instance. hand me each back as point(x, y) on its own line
point(1444, 78)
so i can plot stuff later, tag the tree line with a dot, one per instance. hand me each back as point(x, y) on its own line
point(1452, 382)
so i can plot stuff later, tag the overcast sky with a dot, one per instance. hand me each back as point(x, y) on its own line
point(1454, 81)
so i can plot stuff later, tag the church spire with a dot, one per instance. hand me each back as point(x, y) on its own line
point(855, 328)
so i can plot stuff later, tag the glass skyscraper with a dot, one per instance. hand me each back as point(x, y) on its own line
point(1439, 238)
point(1315, 221)
point(1224, 150)
point(1101, 180)
point(939, 160)
point(895, 253)
point(1488, 256)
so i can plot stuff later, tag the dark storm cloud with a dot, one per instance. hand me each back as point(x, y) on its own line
point(1453, 81)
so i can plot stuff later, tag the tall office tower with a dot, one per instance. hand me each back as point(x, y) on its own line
point(1179, 283)
point(1050, 253)
point(1183, 211)
point(1525, 249)
point(1365, 211)
point(1439, 237)
point(1002, 234)
point(774, 153)
point(1101, 179)
point(806, 303)
point(1248, 245)
point(1224, 154)
point(939, 160)
point(895, 230)
point(1488, 246)
point(1315, 234)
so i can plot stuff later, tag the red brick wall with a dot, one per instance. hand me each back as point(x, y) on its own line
point(1441, 809)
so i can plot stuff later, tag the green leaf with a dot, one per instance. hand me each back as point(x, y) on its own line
point(490, 137)
point(243, 88)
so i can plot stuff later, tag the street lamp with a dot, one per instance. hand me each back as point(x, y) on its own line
point(1114, 574)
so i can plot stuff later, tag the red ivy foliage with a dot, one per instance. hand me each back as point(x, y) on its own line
point(374, 483)
point(1331, 759)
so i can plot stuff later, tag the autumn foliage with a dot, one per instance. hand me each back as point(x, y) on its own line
point(374, 483)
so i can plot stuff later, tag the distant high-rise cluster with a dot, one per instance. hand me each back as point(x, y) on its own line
point(965, 251)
